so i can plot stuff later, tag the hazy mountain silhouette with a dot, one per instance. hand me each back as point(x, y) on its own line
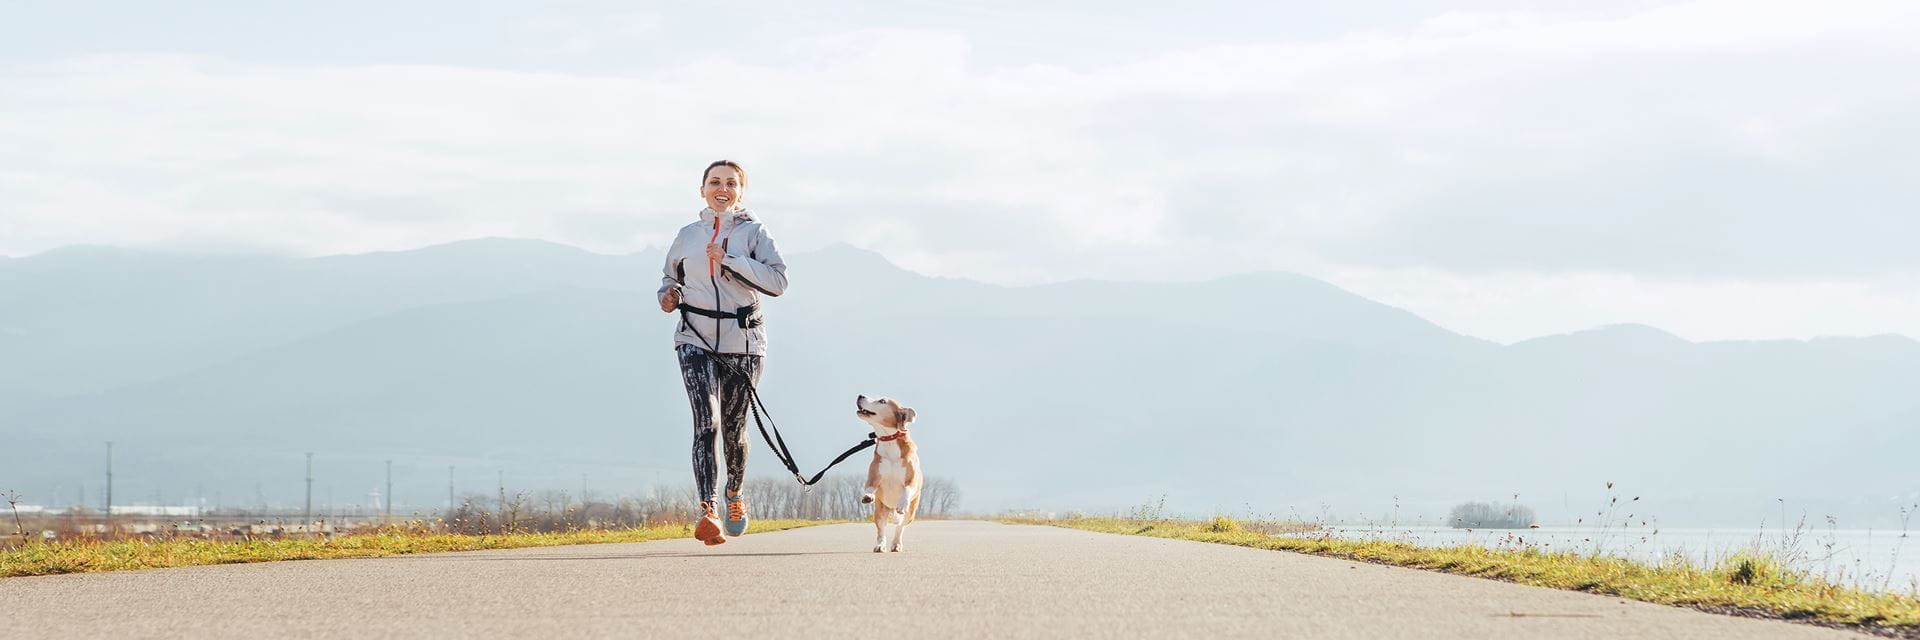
point(1273, 391)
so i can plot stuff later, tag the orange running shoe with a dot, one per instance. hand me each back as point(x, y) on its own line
point(708, 530)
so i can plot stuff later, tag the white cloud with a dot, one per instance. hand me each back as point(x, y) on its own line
point(1751, 144)
point(1510, 307)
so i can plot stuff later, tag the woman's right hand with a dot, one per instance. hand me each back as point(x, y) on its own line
point(670, 301)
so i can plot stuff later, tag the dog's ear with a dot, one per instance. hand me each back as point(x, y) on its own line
point(905, 414)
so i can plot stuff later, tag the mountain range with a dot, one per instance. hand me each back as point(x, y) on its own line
point(545, 366)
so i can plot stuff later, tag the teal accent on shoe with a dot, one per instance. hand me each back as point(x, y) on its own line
point(736, 527)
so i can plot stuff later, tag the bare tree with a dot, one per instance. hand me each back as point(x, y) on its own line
point(1482, 515)
point(939, 497)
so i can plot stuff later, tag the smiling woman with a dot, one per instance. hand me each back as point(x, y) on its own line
point(721, 340)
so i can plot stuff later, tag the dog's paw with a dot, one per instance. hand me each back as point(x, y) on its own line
point(876, 548)
point(866, 499)
point(901, 511)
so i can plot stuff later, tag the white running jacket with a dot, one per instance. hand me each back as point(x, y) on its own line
point(752, 267)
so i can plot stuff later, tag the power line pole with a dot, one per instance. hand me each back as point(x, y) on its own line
point(449, 490)
point(503, 492)
point(109, 510)
point(389, 496)
point(306, 515)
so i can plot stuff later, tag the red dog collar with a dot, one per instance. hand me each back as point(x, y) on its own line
point(896, 435)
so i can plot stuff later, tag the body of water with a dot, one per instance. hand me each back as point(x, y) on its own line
point(1878, 560)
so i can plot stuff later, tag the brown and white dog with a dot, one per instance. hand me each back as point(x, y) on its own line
point(894, 478)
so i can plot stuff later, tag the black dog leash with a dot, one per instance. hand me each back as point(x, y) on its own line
point(774, 441)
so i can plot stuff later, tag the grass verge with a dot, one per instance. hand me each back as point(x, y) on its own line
point(89, 556)
point(1749, 584)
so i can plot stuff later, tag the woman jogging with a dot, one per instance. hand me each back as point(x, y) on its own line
point(715, 272)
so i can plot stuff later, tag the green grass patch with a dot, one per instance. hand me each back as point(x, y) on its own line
point(1750, 582)
point(35, 559)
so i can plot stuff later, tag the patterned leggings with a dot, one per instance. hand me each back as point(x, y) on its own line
point(718, 395)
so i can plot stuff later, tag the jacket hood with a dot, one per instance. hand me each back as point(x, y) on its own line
point(737, 217)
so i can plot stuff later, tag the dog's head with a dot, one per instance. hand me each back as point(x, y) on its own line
point(885, 414)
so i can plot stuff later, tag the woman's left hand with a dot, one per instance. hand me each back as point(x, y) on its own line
point(715, 252)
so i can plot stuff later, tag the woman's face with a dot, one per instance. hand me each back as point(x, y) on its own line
point(723, 189)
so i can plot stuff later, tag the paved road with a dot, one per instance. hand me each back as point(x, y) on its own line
point(956, 579)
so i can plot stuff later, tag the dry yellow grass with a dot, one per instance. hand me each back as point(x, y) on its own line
point(1752, 583)
point(36, 559)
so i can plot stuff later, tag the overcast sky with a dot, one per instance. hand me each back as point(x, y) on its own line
point(1723, 170)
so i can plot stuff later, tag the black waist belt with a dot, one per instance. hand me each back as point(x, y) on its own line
point(749, 316)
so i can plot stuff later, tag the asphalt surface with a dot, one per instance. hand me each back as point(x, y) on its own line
point(955, 579)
